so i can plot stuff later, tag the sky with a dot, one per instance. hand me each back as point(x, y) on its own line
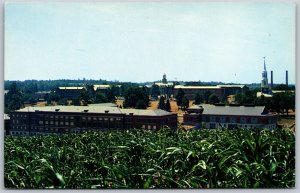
point(140, 41)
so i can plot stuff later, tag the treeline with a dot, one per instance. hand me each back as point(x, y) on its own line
point(21, 93)
point(49, 85)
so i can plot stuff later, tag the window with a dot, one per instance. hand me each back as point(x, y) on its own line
point(66, 123)
point(212, 119)
point(223, 119)
point(71, 123)
point(254, 120)
point(243, 120)
point(232, 120)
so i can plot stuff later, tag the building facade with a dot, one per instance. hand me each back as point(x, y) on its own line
point(70, 92)
point(221, 91)
point(213, 117)
point(64, 119)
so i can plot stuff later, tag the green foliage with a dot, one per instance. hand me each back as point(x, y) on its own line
point(140, 105)
point(283, 101)
point(133, 95)
point(155, 90)
point(100, 98)
point(206, 96)
point(185, 103)
point(212, 99)
point(168, 105)
point(161, 104)
point(246, 98)
point(152, 159)
point(179, 97)
point(199, 99)
point(13, 99)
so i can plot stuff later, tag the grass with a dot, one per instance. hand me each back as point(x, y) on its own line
point(152, 159)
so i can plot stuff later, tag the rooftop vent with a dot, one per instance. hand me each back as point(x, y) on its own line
point(85, 110)
point(56, 110)
point(106, 111)
point(37, 110)
point(131, 114)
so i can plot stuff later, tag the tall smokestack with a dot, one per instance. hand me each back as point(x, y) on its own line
point(271, 79)
point(286, 78)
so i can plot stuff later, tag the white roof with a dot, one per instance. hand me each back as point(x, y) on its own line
point(230, 110)
point(96, 109)
point(196, 87)
point(70, 87)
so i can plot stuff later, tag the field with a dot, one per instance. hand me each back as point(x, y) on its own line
point(152, 159)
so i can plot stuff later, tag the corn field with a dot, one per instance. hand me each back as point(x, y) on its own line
point(152, 159)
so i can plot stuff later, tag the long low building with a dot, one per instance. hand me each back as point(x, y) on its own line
point(64, 119)
point(212, 117)
point(218, 90)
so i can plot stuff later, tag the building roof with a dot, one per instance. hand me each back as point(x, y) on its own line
point(230, 110)
point(103, 86)
point(196, 87)
point(157, 112)
point(231, 85)
point(259, 94)
point(211, 87)
point(71, 87)
point(96, 109)
point(163, 84)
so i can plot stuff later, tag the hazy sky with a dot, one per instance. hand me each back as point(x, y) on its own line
point(141, 41)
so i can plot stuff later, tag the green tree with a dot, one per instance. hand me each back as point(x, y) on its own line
point(212, 99)
point(168, 105)
point(13, 99)
point(134, 94)
point(155, 90)
point(76, 102)
point(179, 97)
point(198, 98)
point(185, 103)
point(100, 98)
point(63, 101)
point(206, 95)
point(283, 101)
point(140, 105)
point(161, 104)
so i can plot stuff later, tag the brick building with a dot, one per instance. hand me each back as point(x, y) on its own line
point(217, 116)
point(70, 92)
point(64, 119)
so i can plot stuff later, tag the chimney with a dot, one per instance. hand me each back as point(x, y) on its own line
point(286, 78)
point(271, 79)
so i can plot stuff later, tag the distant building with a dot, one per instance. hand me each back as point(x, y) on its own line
point(165, 88)
point(6, 124)
point(65, 119)
point(101, 88)
point(222, 91)
point(40, 96)
point(70, 92)
point(213, 117)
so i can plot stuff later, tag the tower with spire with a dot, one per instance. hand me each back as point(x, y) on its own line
point(264, 81)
